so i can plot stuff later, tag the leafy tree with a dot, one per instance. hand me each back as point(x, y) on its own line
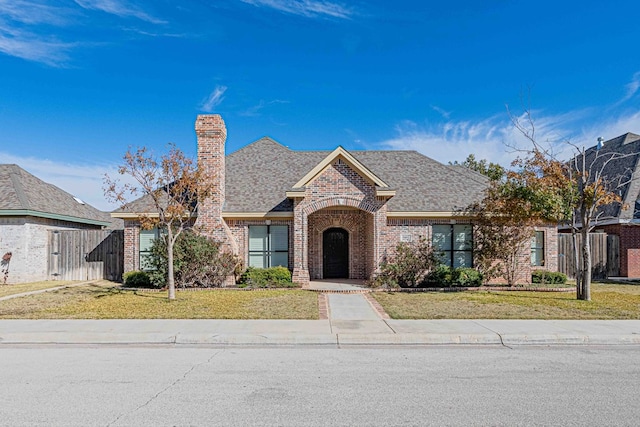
point(503, 224)
point(171, 186)
point(491, 170)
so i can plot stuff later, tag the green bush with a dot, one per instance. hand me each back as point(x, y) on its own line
point(446, 276)
point(544, 277)
point(439, 276)
point(137, 279)
point(197, 262)
point(466, 277)
point(274, 277)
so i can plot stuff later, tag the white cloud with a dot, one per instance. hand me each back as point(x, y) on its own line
point(118, 8)
point(307, 8)
point(33, 12)
point(256, 110)
point(215, 98)
point(496, 139)
point(445, 114)
point(33, 47)
point(23, 31)
point(631, 88)
point(84, 181)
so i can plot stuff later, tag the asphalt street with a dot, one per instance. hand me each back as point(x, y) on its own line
point(309, 386)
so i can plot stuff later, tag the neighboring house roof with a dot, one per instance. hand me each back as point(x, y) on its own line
point(622, 171)
point(22, 194)
point(259, 175)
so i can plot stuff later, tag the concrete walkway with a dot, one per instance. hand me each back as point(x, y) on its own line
point(321, 332)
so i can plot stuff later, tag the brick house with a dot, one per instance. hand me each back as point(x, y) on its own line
point(329, 214)
point(29, 209)
point(621, 219)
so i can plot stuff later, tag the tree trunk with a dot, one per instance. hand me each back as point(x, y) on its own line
point(576, 263)
point(171, 283)
point(586, 265)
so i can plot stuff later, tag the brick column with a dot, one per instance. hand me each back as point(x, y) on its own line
point(131, 245)
point(300, 244)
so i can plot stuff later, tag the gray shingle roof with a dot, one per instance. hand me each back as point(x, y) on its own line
point(259, 174)
point(23, 194)
point(624, 169)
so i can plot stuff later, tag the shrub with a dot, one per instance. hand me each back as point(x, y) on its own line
point(137, 279)
point(548, 277)
point(446, 276)
point(197, 261)
point(439, 276)
point(466, 277)
point(273, 277)
point(409, 266)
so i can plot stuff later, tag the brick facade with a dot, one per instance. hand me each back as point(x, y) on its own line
point(629, 235)
point(339, 196)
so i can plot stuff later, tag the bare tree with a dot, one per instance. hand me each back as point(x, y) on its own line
point(169, 189)
point(582, 190)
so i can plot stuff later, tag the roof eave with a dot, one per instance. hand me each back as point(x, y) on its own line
point(48, 215)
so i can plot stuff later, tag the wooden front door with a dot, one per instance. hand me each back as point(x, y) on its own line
point(335, 254)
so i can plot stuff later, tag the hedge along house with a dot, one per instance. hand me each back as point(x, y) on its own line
point(329, 214)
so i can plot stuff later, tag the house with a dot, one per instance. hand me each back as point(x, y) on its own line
point(622, 170)
point(328, 214)
point(29, 209)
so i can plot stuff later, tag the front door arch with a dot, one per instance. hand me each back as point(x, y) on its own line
point(335, 253)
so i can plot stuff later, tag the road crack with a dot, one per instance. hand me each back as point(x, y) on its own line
point(164, 390)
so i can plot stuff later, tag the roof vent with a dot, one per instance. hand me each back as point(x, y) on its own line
point(78, 200)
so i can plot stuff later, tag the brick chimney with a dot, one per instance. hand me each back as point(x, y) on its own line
point(212, 134)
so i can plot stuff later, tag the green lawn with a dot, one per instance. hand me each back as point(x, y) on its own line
point(608, 302)
point(106, 301)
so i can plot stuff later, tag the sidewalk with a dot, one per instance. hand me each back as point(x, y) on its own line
point(353, 319)
point(321, 332)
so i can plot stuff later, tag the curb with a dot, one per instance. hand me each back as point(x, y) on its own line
point(337, 340)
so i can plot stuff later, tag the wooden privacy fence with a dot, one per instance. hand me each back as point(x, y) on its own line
point(605, 255)
point(86, 254)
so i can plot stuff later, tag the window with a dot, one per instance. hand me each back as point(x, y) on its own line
point(454, 243)
point(268, 246)
point(537, 248)
point(146, 241)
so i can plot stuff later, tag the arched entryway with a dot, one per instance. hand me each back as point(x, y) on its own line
point(335, 253)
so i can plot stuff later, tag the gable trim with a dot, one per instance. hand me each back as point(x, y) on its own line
point(351, 162)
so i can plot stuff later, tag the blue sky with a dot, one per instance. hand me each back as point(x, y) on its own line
point(83, 80)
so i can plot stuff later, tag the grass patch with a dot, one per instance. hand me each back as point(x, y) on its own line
point(608, 302)
point(106, 301)
point(33, 286)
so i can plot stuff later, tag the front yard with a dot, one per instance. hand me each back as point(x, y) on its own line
point(608, 302)
point(106, 301)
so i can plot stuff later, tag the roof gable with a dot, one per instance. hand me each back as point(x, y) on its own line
point(343, 155)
